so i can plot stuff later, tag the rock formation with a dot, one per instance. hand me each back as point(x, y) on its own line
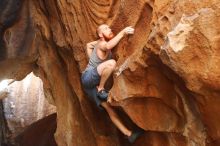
point(3, 129)
point(167, 79)
point(39, 133)
point(24, 104)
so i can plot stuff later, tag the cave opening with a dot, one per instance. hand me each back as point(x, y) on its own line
point(25, 113)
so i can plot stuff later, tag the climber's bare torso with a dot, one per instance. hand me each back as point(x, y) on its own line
point(100, 50)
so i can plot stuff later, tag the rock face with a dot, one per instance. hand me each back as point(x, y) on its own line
point(3, 129)
point(167, 78)
point(39, 133)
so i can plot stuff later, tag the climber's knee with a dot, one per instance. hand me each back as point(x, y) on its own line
point(109, 64)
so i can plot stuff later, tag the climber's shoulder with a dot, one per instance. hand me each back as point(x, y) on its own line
point(101, 45)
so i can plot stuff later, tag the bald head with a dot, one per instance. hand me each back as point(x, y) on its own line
point(101, 28)
point(104, 31)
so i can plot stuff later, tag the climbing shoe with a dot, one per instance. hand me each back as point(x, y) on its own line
point(135, 135)
point(102, 95)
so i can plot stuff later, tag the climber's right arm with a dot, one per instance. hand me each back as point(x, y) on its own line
point(89, 47)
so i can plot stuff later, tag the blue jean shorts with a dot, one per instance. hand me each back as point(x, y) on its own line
point(90, 79)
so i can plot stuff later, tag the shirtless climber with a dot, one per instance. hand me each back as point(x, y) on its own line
point(100, 68)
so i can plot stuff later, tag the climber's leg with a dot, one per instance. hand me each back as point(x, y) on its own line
point(105, 70)
point(115, 119)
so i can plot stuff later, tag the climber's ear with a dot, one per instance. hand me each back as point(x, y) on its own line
point(100, 35)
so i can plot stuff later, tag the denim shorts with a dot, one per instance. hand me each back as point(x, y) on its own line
point(90, 79)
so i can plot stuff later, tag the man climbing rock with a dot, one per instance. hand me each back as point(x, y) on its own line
point(99, 69)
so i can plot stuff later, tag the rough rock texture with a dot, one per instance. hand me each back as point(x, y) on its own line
point(167, 78)
point(25, 103)
point(39, 133)
point(3, 129)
